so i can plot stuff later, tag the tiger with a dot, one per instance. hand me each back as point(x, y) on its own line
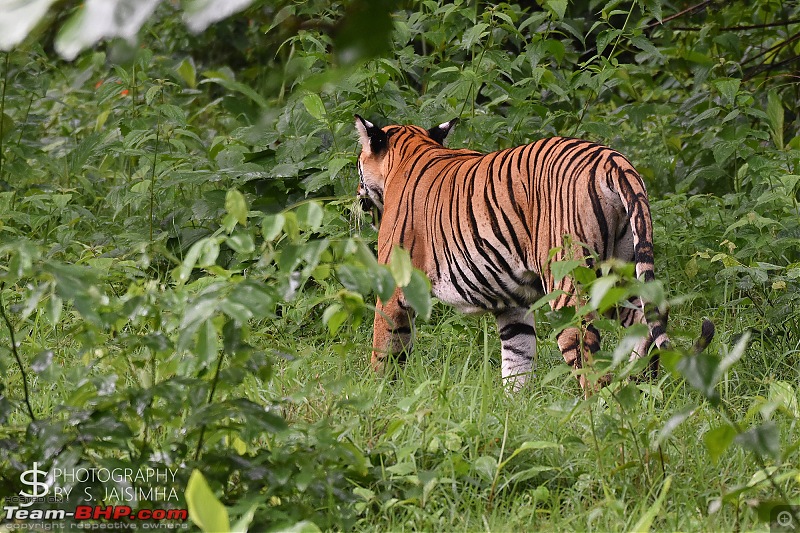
point(482, 228)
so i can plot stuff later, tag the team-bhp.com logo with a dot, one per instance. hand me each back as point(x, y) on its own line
point(138, 485)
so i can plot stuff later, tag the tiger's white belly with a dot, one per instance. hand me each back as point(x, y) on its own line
point(470, 294)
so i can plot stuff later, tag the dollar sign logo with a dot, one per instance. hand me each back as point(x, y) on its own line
point(31, 479)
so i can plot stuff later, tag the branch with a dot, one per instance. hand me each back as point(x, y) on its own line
point(744, 28)
point(688, 11)
point(16, 354)
point(755, 71)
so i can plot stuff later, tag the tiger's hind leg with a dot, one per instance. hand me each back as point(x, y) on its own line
point(634, 314)
point(392, 331)
point(518, 340)
point(578, 346)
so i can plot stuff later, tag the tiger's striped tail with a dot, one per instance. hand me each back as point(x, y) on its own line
point(631, 190)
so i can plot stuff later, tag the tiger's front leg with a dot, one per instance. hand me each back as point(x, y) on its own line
point(518, 340)
point(392, 331)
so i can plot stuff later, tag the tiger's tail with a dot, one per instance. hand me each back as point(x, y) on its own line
point(631, 190)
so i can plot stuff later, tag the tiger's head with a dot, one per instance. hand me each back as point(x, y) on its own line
point(373, 164)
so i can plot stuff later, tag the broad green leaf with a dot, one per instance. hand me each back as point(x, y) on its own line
point(271, 226)
point(560, 269)
point(18, 18)
point(257, 298)
point(241, 525)
point(382, 282)
point(236, 205)
point(474, 35)
point(775, 117)
point(400, 266)
point(207, 345)
point(42, 361)
point(209, 251)
point(333, 317)
point(6, 125)
point(531, 445)
point(728, 88)
point(602, 290)
point(314, 106)
point(700, 371)
point(486, 466)
point(184, 270)
point(418, 294)
point(353, 278)
point(782, 394)
point(557, 7)
point(205, 510)
point(187, 71)
point(718, 440)
point(309, 216)
point(241, 242)
point(763, 440)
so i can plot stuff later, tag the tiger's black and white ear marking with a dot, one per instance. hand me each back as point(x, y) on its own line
point(439, 133)
point(371, 136)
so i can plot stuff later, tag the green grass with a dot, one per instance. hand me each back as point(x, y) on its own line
point(437, 430)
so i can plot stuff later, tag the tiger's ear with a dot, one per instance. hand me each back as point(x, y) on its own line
point(440, 132)
point(372, 137)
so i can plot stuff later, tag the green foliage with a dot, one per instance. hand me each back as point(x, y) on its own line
point(186, 282)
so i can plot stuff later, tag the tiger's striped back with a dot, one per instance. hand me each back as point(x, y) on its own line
point(482, 226)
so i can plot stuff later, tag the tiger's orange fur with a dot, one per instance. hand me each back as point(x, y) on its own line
point(482, 226)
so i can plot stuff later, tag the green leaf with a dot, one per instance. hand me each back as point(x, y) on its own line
point(700, 371)
point(486, 466)
point(474, 35)
point(205, 510)
point(604, 294)
point(418, 294)
point(207, 346)
point(333, 317)
point(728, 88)
point(187, 71)
point(718, 440)
point(236, 205)
point(400, 266)
point(209, 251)
point(6, 125)
point(255, 297)
point(763, 440)
point(353, 278)
point(557, 7)
point(560, 269)
point(775, 118)
point(241, 242)
point(271, 226)
point(382, 282)
point(314, 106)
point(309, 216)
point(241, 525)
